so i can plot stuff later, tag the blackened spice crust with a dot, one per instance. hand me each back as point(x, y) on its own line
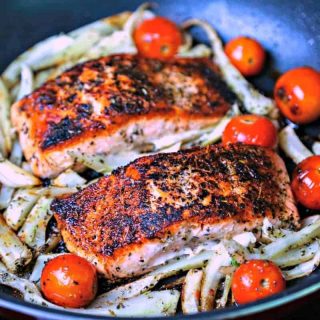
point(153, 196)
point(61, 131)
point(112, 90)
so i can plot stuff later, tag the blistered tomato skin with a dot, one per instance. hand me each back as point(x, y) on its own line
point(157, 38)
point(306, 183)
point(297, 94)
point(69, 281)
point(246, 54)
point(250, 129)
point(255, 280)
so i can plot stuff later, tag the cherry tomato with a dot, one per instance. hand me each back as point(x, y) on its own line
point(157, 38)
point(297, 94)
point(69, 281)
point(246, 54)
point(250, 129)
point(306, 182)
point(256, 279)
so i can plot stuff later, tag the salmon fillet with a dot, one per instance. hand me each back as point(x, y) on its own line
point(165, 205)
point(115, 103)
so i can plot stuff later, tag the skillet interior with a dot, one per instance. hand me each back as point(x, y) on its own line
point(289, 30)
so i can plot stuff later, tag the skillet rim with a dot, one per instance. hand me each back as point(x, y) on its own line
point(290, 295)
point(300, 290)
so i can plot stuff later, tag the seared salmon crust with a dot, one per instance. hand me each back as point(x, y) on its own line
point(115, 102)
point(161, 206)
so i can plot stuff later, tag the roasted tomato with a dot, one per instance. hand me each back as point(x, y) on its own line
point(157, 38)
point(246, 54)
point(297, 94)
point(69, 281)
point(306, 182)
point(250, 129)
point(256, 279)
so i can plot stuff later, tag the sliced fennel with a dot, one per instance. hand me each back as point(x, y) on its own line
point(198, 51)
point(245, 238)
point(39, 265)
point(6, 192)
point(13, 252)
point(126, 291)
point(96, 162)
point(222, 302)
point(181, 137)
point(310, 220)
point(14, 91)
point(298, 255)
point(216, 134)
point(20, 206)
point(303, 269)
point(157, 303)
point(28, 289)
point(33, 231)
point(292, 145)
point(190, 297)
point(44, 54)
point(106, 163)
point(292, 240)
point(26, 83)
point(61, 48)
point(212, 276)
point(120, 41)
point(150, 280)
point(103, 27)
point(186, 44)
point(253, 101)
point(13, 176)
point(178, 265)
point(316, 148)
point(5, 123)
point(68, 178)
point(16, 153)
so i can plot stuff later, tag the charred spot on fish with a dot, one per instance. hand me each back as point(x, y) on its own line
point(225, 206)
point(247, 172)
point(214, 104)
point(84, 110)
point(62, 131)
point(151, 224)
point(97, 125)
point(122, 230)
point(96, 65)
point(120, 106)
point(64, 207)
point(47, 98)
point(260, 206)
point(71, 97)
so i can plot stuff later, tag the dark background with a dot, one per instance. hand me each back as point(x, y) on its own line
point(288, 29)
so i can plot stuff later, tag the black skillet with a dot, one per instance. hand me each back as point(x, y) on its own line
point(288, 29)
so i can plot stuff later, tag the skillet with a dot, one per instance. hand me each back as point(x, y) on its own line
point(288, 29)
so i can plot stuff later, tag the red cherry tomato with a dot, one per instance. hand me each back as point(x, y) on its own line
point(256, 279)
point(246, 54)
point(297, 94)
point(250, 129)
point(157, 38)
point(69, 281)
point(306, 182)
